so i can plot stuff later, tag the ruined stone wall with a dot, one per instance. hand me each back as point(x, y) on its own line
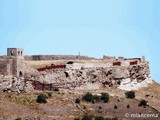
point(57, 57)
point(114, 63)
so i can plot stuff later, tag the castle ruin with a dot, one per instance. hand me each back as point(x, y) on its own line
point(126, 74)
point(13, 64)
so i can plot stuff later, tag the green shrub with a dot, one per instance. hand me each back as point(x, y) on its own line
point(130, 94)
point(76, 118)
point(49, 94)
point(56, 89)
point(115, 107)
point(115, 118)
point(41, 98)
point(99, 118)
point(100, 107)
point(90, 117)
point(96, 97)
point(105, 97)
point(77, 100)
point(143, 103)
point(128, 106)
point(18, 118)
point(88, 97)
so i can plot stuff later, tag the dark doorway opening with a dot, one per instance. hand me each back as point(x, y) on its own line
point(20, 74)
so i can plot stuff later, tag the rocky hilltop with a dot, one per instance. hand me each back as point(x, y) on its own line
point(95, 75)
point(66, 81)
point(126, 74)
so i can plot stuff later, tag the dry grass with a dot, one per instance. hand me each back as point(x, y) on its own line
point(59, 105)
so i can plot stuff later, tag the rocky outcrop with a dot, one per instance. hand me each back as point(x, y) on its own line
point(14, 84)
point(127, 78)
point(130, 77)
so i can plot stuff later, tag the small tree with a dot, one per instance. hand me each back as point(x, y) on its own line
point(96, 97)
point(130, 94)
point(100, 107)
point(99, 118)
point(105, 97)
point(56, 89)
point(88, 97)
point(18, 118)
point(128, 106)
point(143, 103)
point(49, 94)
point(93, 101)
point(41, 98)
point(115, 107)
point(76, 118)
point(77, 100)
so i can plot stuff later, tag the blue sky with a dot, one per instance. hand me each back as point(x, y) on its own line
point(129, 28)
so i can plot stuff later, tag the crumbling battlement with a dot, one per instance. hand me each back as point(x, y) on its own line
point(57, 57)
point(120, 62)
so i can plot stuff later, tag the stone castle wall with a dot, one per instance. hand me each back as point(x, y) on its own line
point(109, 63)
point(56, 57)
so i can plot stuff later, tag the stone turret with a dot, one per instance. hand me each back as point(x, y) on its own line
point(16, 54)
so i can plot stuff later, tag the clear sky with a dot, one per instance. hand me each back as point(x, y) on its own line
point(129, 28)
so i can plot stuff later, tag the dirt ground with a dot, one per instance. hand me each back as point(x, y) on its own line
point(61, 106)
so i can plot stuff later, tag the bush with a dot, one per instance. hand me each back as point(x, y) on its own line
point(76, 118)
point(56, 89)
point(88, 97)
point(99, 118)
point(41, 98)
point(18, 118)
point(49, 94)
point(128, 106)
point(96, 97)
point(115, 107)
point(115, 118)
point(90, 117)
point(93, 101)
point(100, 107)
point(143, 103)
point(87, 117)
point(77, 100)
point(105, 97)
point(130, 94)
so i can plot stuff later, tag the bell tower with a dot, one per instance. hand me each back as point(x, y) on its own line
point(16, 54)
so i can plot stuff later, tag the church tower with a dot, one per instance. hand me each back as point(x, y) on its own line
point(16, 54)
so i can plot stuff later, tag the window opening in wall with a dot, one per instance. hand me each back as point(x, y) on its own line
point(12, 52)
point(18, 52)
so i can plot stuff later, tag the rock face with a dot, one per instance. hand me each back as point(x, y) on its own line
point(130, 77)
point(14, 84)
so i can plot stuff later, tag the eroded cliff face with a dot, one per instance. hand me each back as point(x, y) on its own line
point(127, 78)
